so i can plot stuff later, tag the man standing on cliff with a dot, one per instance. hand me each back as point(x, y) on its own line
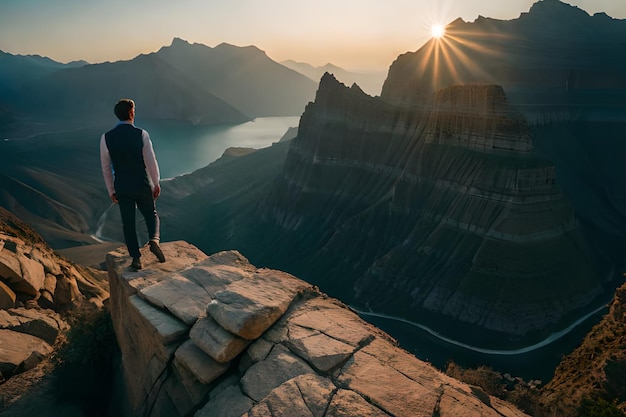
point(131, 174)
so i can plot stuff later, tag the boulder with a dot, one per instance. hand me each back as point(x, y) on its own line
point(305, 395)
point(182, 297)
point(32, 278)
point(215, 341)
point(249, 307)
point(10, 270)
point(50, 265)
point(201, 365)
point(45, 325)
point(230, 402)
point(66, 291)
point(7, 297)
point(280, 366)
point(46, 298)
point(318, 349)
point(20, 352)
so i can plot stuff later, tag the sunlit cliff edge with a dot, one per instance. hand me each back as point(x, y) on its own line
point(216, 336)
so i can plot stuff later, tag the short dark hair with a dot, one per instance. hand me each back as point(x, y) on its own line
point(122, 109)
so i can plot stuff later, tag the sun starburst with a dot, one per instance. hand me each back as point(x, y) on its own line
point(438, 31)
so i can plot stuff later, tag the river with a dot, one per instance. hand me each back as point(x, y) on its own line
point(534, 362)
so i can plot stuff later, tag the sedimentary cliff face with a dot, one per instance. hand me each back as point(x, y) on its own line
point(560, 68)
point(215, 336)
point(492, 229)
point(444, 210)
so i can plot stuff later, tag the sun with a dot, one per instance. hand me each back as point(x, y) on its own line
point(438, 31)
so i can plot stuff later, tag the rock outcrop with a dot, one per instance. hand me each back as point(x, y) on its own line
point(216, 336)
point(36, 284)
point(26, 337)
point(596, 369)
point(32, 274)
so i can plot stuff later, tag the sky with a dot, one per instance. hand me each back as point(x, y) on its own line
point(360, 35)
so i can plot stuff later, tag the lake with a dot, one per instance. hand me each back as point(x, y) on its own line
point(182, 148)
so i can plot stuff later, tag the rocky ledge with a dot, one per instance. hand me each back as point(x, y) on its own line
point(215, 336)
point(35, 285)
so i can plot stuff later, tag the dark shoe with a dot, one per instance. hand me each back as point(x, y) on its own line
point(136, 263)
point(156, 250)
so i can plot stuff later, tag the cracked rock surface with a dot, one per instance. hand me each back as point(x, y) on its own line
point(264, 343)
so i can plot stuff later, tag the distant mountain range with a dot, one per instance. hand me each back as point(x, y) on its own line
point(189, 82)
point(369, 82)
point(182, 81)
point(244, 77)
point(159, 90)
point(18, 71)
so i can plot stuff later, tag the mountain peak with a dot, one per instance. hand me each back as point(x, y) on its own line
point(556, 9)
point(249, 48)
point(328, 83)
point(179, 41)
point(178, 44)
point(329, 79)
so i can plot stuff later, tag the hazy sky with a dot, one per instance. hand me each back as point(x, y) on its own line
point(355, 34)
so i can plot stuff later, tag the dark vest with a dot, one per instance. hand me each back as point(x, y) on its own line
point(125, 144)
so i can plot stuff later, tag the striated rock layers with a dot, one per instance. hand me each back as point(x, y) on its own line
point(216, 336)
point(562, 69)
point(441, 213)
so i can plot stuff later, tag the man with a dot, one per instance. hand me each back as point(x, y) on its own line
point(131, 174)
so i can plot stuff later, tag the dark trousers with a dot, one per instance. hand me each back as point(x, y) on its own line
point(145, 203)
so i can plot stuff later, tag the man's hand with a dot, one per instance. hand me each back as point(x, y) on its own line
point(114, 198)
point(156, 191)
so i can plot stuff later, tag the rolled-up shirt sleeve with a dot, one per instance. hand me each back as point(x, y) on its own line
point(149, 158)
point(107, 168)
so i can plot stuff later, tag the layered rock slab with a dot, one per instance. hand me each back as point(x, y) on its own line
point(296, 351)
point(44, 325)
